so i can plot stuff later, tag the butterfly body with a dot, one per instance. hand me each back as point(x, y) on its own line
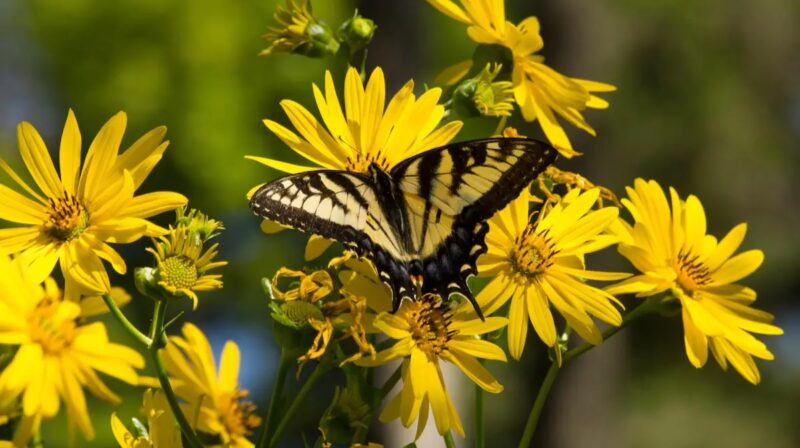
point(423, 223)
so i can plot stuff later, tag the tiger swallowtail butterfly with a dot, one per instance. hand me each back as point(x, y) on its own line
point(422, 223)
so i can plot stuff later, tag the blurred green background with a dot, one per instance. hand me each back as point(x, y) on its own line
point(708, 101)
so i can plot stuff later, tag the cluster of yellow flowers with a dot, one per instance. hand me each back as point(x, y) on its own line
point(54, 349)
point(340, 315)
point(537, 246)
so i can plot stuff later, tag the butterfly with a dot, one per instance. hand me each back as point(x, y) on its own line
point(422, 223)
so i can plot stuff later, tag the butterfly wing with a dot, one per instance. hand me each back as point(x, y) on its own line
point(451, 191)
point(342, 206)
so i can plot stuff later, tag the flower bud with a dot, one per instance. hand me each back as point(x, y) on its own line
point(357, 32)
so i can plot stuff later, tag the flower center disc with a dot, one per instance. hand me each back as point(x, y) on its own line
point(360, 162)
point(179, 272)
point(53, 336)
point(238, 415)
point(429, 319)
point(68, 218)
point(533, 253)
point(692, 272)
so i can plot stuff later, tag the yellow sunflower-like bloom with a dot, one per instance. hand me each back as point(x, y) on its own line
point(182, 264)
point(56, 357)
point(77, 214)
point(366, 131)
point(214, 401)
point(161, 429)
point(427, 332)
point(541, 92)
point(541, 263)
point(672, 250)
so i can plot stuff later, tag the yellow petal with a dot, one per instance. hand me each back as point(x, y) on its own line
point(738, 267)
point(286, 167)
point(155, 203)
point(316, 246)
point(17, 239)
point(478, 348)
point(695, 341)
point(517, 324)
point(143, 155)
point(229, 367)
point(475, 371)
point(70, 153)
point(37, 159)
point(101, 156)
point(453, 74)
point(450, 9)
point(301, 146)
point(540, 316)
point(125, 230)
point(17, 208)
point(495, 294)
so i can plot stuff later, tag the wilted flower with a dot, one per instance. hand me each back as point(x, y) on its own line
point(298, 31)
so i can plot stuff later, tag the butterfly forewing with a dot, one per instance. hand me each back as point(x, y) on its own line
point(338, 205)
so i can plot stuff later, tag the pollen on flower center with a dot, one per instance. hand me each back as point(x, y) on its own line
point(360, 162)
point(237, 414)
point(68, 218)
point(533, 252)
point(692, 272)
point(429, 320)
point(179, 272)
point(51, 335)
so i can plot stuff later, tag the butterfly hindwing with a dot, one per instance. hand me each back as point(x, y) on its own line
point(451, 192)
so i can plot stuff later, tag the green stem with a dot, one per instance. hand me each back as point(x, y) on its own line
point(644, 308)
point(448, 440)
point(284, 367)
point(126, 324)
point(37, 441)
point(538, 405)
point(480, 431)
point(322, 367)
point(156, 331)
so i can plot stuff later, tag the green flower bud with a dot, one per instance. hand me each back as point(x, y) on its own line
point(357, 32)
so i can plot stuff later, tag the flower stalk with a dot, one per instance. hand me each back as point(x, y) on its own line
point(648, 306)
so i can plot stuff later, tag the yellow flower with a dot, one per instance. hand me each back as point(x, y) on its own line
point(214, 401)
point(79, 213)
point(540, 91)
point(56, 357)
point(298, 31)
point(674, 253)
point(541, 263)
point(161, 429)
point(182, 265)
point(428, 331)
point(366, 131)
